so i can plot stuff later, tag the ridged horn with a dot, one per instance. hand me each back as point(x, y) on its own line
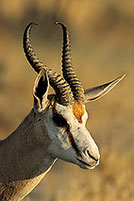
point(62, 89)
point(67, 68)
point(31, 57)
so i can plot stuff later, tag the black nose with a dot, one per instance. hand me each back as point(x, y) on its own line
point(96, 159)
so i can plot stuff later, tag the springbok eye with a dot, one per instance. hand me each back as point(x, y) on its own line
point(60, 121)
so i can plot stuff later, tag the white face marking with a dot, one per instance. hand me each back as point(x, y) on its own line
point(70, 140)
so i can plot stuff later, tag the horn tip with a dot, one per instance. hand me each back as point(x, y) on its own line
point(31, 24)
point(60, 23)
point(56, 22)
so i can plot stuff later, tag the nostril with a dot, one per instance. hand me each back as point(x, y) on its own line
point(92, 156)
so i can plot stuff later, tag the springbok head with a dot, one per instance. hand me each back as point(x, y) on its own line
point(64, 112)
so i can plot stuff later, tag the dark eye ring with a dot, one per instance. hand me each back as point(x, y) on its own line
point(60, 121)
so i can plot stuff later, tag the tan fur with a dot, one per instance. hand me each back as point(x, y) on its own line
point(24, 158)
point(78, 111)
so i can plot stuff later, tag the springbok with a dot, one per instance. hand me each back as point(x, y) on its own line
point(54, 128)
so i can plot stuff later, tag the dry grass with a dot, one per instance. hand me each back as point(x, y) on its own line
point(103, 48)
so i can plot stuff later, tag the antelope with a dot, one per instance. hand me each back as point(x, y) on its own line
point(54, 128)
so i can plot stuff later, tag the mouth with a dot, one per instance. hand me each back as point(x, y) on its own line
point(86, 165)
point(83, 162)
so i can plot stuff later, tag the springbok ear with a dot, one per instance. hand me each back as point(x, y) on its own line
point(94, 93)
point(40, 91)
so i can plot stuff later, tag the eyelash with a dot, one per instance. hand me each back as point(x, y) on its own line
point(60, 121)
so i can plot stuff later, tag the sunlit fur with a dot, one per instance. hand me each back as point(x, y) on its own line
point(78, 111)
point(55, 128)
point(31, 150)
point(61, 147)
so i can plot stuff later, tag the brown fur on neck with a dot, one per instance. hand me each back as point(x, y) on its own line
point(24, 158)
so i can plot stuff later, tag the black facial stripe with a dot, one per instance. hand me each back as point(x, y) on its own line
point(60, 121)
point(73, 144)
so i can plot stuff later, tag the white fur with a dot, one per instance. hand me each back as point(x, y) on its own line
point(60, 146)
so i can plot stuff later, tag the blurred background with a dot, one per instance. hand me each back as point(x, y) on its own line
point(102, 35)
